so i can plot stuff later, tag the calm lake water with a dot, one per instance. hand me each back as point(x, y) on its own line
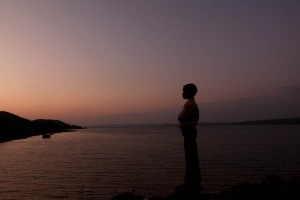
point(100, 163)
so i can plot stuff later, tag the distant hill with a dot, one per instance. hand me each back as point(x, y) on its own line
point(9, 117)
point(52, 123)
point(271, 122)
point(258, 122)
point(15, 127)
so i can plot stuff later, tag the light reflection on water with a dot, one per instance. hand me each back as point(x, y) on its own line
point(100, 163)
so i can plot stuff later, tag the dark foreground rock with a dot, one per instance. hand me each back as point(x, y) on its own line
point(272, 187)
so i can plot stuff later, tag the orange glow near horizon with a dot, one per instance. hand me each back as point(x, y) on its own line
point(86, 61)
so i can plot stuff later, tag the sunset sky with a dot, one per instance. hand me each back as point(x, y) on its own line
point(125, 61)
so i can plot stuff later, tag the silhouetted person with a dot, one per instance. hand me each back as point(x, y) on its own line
point(188, 119)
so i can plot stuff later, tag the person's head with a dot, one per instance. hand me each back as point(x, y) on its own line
point(189, 91)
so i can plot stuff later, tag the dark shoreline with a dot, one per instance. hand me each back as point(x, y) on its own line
point(271, 187)
point(13, 127)
point(283, 121)
point(28, 135)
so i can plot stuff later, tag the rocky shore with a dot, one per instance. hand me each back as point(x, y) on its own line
point(14, 127)
point(271, 187)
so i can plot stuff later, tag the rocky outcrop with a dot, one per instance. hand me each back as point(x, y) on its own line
point(15, 127)
point(272, 187)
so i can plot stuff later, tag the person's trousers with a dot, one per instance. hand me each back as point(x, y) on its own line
point(192, 172)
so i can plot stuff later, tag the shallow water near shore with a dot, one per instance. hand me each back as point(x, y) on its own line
point(100, 163)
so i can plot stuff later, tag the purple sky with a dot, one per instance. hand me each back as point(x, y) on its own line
point(99, 62)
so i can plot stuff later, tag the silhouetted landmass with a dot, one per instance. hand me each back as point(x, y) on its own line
point(257, 122)
point(272, 187)
point(284, 121)
point(14, 127)
point(270, 122)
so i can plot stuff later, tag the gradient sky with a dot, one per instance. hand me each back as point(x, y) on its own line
point(125, 61)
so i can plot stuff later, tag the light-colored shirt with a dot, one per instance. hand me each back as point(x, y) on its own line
point(189, 116)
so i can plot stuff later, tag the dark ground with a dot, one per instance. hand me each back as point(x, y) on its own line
point(272, 187)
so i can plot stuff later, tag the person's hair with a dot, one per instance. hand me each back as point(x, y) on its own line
point(190, 89)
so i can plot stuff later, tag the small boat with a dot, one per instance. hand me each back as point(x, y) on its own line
point(46, 136)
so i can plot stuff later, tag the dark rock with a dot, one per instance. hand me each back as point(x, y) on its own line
point(14, 127)
point(272, 187)
point(128, 196)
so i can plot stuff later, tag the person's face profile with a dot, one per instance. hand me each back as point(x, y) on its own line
point(184, 94)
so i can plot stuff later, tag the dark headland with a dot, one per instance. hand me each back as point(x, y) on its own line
point(281, 121)
point(14, 127)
